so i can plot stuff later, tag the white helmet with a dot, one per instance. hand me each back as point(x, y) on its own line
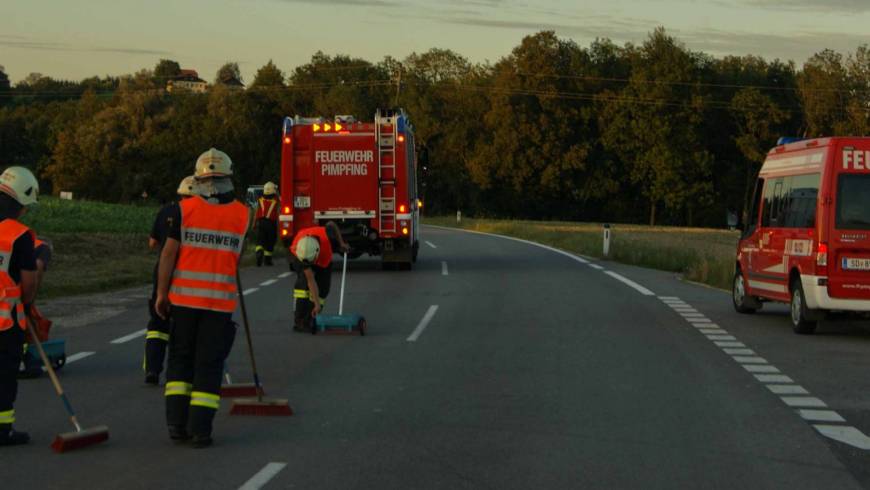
point(213, 163)
point(20, 184)
point(189, 187)
point(270, 189)
point(307, 249)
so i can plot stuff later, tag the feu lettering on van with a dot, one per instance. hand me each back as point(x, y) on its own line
point(856, 159)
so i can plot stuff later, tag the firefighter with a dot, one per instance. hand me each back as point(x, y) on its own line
point(18, 189)
point(267, 223)
point(158, 329)
point(311, 260)
point(197, 276)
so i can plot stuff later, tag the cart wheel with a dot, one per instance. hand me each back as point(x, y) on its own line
point(362, 325)
point(59, 362)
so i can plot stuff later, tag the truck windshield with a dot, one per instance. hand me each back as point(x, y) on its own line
point(853, 202)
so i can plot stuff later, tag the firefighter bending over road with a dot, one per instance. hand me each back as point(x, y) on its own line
point(157, 337)
point(18, 189)
point(267, 224)
point(197, 276)
point(311, 259)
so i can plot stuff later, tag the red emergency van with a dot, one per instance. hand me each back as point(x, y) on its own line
point(807, 240)
point(361, 175)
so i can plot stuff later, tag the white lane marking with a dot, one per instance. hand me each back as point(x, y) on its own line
point(693, 317)
point(665, 298)
point(79, 356)
point(699, 321)
point(739, 352)
point(263, 476)
point(684, 309)
point(443, 268)
point(713, 331)
point(721, 337)
point(250, 291)
point(760, 368)
point(127, 338)
point(628, 282)
point(730, 344)
point(788, 390)
point(750, 360)
point(431, 244)
point(803, 401)
point(845, 434)
point(268, 283)
point(820, 415)
point(423, 323)
point(520, 240)
point(704, 327)
point(285, 274)
point(595, 266)
point(773, 378)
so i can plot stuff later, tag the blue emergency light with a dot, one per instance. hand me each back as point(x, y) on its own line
point(784, 140)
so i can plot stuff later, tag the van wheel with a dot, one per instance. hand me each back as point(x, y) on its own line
point(742, 302)
point(802, 318)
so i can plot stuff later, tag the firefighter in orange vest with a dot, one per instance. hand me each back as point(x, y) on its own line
point(18, 189)
point(197, 277)
point(311, 260)
point(267, 224)
point(157, 336)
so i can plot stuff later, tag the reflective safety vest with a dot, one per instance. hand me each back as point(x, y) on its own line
point(10, 299)
point(211, 243)
point(325, 257)
point(267, 208)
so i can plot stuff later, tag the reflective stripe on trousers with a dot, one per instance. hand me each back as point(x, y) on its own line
point(203, 399)
point(7, 417)
point(304, 294)
point(157, 335)
point(178, 388)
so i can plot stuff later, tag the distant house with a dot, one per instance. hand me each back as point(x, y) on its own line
point(187, 80)
point(233, 83)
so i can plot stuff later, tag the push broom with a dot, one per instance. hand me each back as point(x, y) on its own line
point(80, 438)
point(259, 405)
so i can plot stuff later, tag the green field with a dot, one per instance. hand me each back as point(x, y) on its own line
point(97, 246)
point(701, 255)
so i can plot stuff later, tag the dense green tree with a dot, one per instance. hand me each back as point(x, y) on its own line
point(228, 73)
point(166, 70)
point(269, 76)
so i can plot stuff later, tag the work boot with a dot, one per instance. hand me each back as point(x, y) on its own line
point(259, 258)
point(268, 260)
point(178, 433)
point(200, 442)
point(12, 437)
point(152, 379)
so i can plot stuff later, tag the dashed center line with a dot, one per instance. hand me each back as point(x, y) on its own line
point(263, 476)
point(423, 323)
point(444, 268)
point(431, 244)
point(79, 356)
point(269, 282)
point(127, 338)
point(250, 290)
point(285, 274)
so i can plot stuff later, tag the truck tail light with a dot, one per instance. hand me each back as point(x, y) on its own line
point(285, 232)
point(822, 259)
point(401, 138)
point(405, 230)
point(287, 140)
point(286, 209)
point(402, 208)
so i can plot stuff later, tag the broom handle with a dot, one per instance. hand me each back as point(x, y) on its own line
point(51, 374)
point(341, 296)
point(248, 336)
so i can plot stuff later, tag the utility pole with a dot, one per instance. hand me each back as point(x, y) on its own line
point(398, 86)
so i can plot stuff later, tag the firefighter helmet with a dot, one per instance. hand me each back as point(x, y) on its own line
point(270, 189)
point(20, 184)
point(213, 163)
point(307, 249)
point(189, 187)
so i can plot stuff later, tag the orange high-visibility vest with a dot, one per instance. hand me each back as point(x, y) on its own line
point(267, 208)
point(324, 258)
point(211, 243)
point(10, 291)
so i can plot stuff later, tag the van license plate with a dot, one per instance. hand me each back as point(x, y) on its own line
point(856, 264)
point(302, 202)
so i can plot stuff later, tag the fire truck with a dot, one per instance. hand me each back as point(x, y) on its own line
point(360, 175)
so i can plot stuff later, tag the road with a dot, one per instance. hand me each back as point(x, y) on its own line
point(494, 364)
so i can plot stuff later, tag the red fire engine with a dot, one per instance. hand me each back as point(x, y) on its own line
point(807, 241)
point(362, 176)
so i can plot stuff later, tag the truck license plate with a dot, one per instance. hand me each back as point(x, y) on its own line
point(302, 202)
point(856, 264)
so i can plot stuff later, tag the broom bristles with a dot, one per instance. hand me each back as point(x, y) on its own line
point(69, 441)
point(264, 407)
point(238, 390)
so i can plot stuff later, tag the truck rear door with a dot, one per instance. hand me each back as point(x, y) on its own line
point(345, 175)
point(849, 256)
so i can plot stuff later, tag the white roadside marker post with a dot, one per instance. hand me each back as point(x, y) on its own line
point(606, 240)
point(458, 216)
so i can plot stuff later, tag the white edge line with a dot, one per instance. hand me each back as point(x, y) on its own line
point(269, 282)
point(595, 266)
point(127, 338)
point(263, 476)
point(423, 323)
point(250, 290)
point(628, 282)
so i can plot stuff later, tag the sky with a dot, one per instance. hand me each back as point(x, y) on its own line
point(74, 39)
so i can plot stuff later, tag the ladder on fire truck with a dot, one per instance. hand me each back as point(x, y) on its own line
point(386, 133)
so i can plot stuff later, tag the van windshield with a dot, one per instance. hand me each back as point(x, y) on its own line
point(853, 202)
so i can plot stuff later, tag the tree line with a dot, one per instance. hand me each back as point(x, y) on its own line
point(651, 132)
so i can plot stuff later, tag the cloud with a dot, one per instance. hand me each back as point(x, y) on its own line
point(842, 6)
point(357, 3)
point(796, 46)
point(17, 42)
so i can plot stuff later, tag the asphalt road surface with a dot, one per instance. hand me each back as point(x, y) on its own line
point(493, 364)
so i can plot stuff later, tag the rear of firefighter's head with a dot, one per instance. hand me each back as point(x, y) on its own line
point(307, 249)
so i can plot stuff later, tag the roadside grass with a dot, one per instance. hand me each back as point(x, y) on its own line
point(99, 247)
point(699, 254)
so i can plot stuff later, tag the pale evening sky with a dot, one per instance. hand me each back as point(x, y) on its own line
point(73, 39)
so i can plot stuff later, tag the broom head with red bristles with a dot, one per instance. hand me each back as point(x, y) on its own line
point(277, 407)
point(70, 441)
point(241, 390)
